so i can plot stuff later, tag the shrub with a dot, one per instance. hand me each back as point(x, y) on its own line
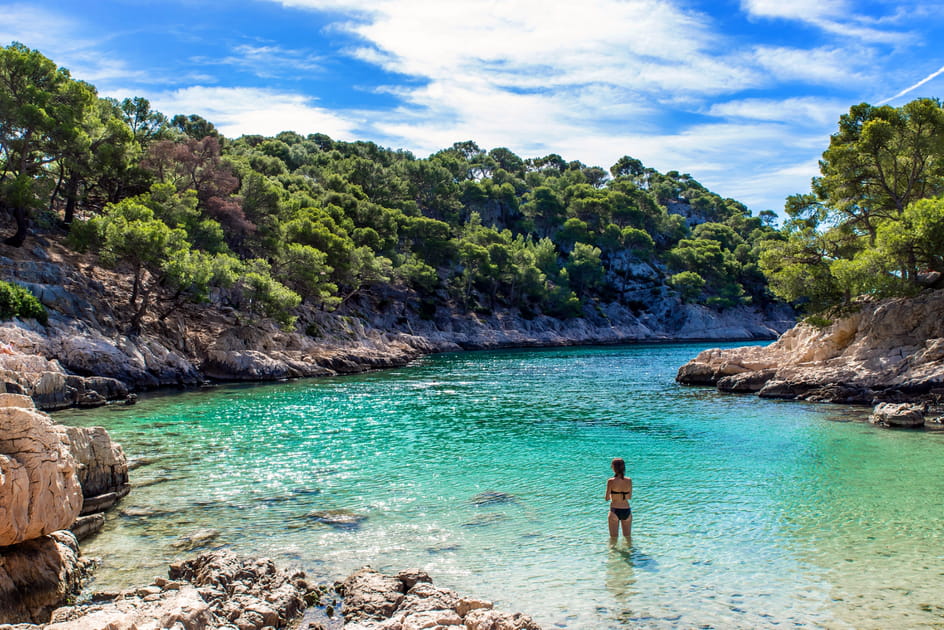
point(818, 321)
point(17, 301)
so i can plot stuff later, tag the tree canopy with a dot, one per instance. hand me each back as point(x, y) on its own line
point(268, 223)
point(873, 223)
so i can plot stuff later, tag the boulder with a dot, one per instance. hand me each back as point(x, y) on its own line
point(250, 592)
point(373, 601)
point(38, 576)
point(102, 465)
point(412, 577)
point(898, 415)
point(368, 594)
point(487, 619)
point(182, 607)
point(39, 489)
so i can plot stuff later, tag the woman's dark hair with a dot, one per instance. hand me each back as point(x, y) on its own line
point(619, 467)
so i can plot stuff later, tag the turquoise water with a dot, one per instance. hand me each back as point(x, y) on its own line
point(488, 469)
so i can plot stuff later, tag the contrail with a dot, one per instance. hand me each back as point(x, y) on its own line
point(915, 86)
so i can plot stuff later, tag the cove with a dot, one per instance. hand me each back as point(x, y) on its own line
point(487, 470)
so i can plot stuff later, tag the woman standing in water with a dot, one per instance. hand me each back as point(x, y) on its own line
point(619, 490)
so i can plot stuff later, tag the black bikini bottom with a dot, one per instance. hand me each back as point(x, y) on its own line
point(622, 513)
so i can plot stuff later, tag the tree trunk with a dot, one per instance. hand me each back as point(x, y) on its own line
point(22, 224)
point(136, 287)
point(134, 327)
point(72, 192)
point(174, 305)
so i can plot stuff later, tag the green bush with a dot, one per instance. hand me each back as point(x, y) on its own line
point(17, 301)
point(689, 284)
point(818, 321)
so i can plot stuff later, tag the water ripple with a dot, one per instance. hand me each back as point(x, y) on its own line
point(488, 471)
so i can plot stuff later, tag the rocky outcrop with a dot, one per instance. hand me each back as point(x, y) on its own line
point(373, 601)
point(42, 469)
point(48, 364)
point(222, 591)
point(214, 590)
point(887, 351)
point(102, 467)
point(39, 490)
point(38, 576)
point(48, 384)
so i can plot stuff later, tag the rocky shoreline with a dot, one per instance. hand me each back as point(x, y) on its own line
point(55, 484)
point(888, 354)
point(84, 356)
point(56, 481)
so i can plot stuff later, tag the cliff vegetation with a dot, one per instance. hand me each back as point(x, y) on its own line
point(274, 227)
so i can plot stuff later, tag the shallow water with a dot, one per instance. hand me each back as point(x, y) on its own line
point(487, 470)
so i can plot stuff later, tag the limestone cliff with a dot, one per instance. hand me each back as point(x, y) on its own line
point(887, 351)
point(85, 355)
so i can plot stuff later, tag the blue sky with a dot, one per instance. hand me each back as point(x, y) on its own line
point(742, 94)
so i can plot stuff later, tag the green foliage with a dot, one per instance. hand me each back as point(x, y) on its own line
point(689, 285)
point(418, 274)
point(265, 294)
point(42, 110)
point(818, 321)
point(17, 301)
point(584, 267)
point(875, 218)
point(264, 223)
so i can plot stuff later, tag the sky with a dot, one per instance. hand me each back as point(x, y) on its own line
point(741, 94)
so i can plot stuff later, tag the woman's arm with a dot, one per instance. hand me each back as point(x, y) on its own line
point(608, 482)
point(630, 495)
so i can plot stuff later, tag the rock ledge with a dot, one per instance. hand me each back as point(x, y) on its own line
point(890, 351)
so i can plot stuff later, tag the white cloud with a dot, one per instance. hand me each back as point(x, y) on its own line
point(804, 112)
point(38, 29)
point(644, 45)
point(833, 16)
point(805, 10)
point(238, 111)
point(267, 61)
point(824, 66)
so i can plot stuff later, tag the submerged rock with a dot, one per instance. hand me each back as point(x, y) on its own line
point(338, 519)
point(484, 520)
point(898, 415)
point(87, 526)
point(199, 538)
point(493, 497)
